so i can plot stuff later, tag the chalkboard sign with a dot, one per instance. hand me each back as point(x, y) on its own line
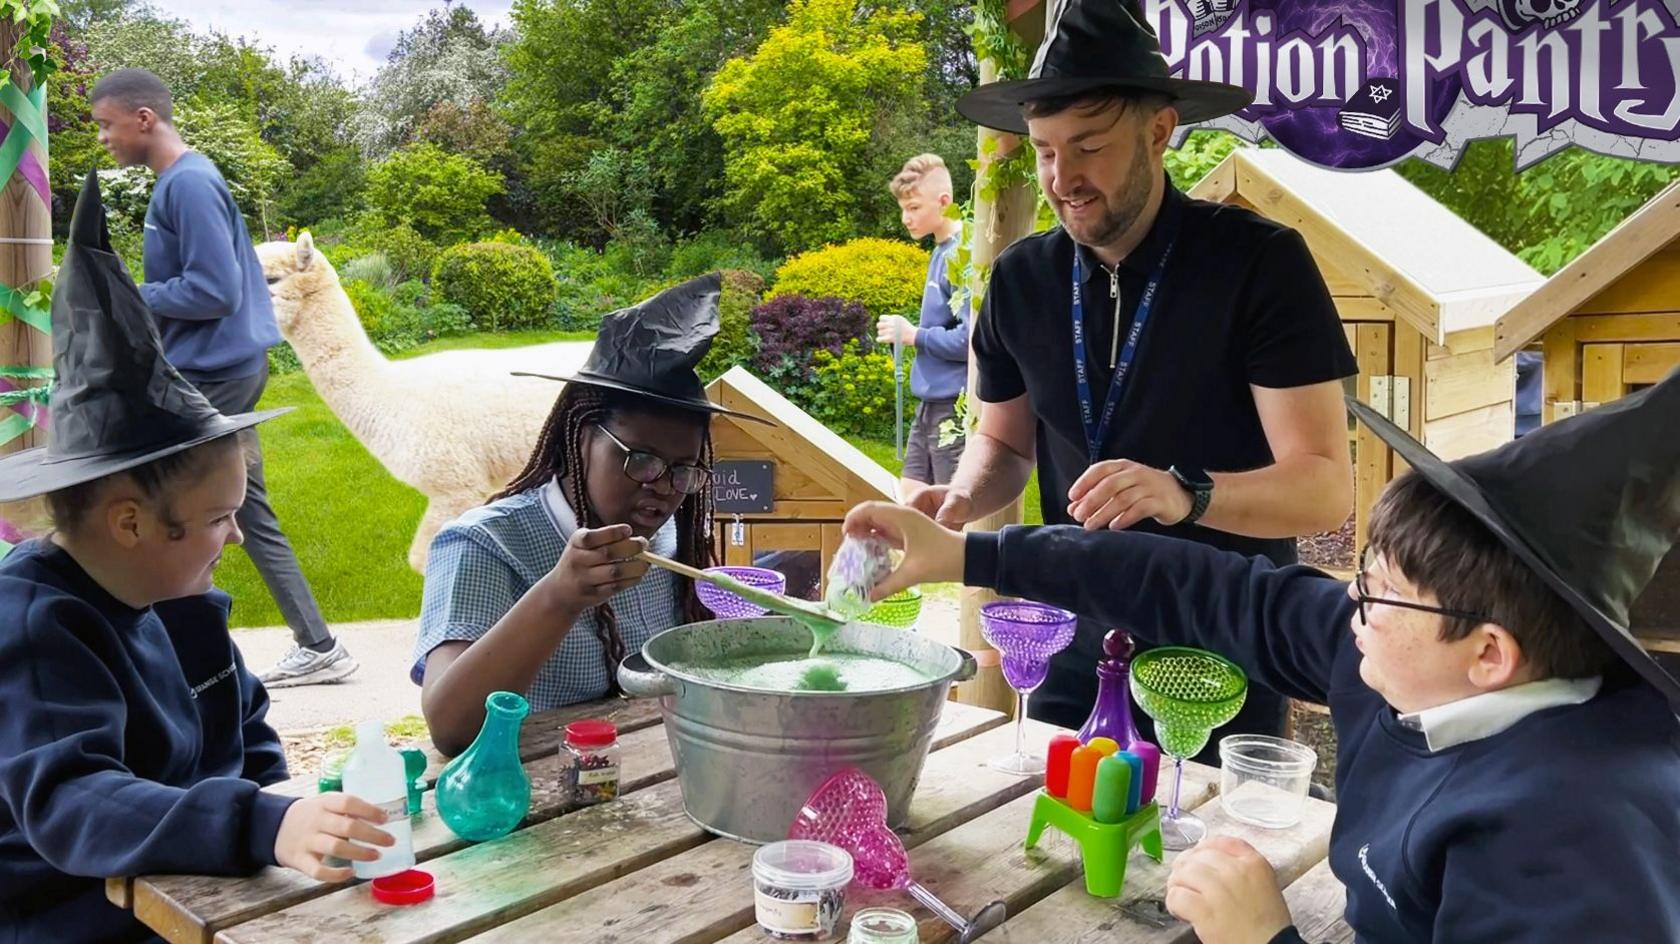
point(743, 487)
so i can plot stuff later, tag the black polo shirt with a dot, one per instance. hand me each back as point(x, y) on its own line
point(1240, 302)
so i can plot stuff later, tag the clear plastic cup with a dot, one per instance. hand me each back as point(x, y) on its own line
point(1263, 780)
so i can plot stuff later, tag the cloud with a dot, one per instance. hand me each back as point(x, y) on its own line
point(380, 46)
point(352, 39)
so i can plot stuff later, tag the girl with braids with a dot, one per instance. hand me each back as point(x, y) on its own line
point(541, 591)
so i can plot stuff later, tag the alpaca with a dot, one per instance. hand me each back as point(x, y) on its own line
point(454, 425)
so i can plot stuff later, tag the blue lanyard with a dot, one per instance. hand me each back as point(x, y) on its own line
point(1097, 433)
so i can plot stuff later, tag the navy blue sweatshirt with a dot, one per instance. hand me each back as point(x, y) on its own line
point(131, 742)
point(204, 284)
point(940, 370)
point(1563, 827)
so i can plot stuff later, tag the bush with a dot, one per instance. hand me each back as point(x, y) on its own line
point(411, 255)
point(374, 306)
point(885, 276)
point(373, 268)
point(735, 342)
point(853, 393)
point(715, 249)
point(792, 328)
point(501, 286)
point(588, 285)
point(441, 195)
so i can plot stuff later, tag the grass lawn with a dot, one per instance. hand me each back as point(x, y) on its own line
point(349, 521)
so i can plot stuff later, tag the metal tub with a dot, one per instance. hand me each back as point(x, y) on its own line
point(746, 759)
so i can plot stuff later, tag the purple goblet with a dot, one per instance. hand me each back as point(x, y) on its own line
point(1026, 635)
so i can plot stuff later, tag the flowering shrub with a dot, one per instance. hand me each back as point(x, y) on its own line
point(885, 276)
point(852, 392)
point(794, 327)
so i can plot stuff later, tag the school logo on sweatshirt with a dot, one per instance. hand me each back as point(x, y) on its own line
point(218, 677)
point(1372, 875)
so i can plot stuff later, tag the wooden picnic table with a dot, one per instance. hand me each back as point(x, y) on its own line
point(637, 869)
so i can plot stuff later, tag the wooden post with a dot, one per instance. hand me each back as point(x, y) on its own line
point(25, 259)
point(996, 224)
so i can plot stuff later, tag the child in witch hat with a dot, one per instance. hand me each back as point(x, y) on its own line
point(132, 739)
point(541, 591)
point(1508, 764)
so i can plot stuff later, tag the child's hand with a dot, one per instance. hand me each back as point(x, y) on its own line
point(597, 563)
point(1228, 892)
point(323, 825)
point(891, 329)
point(931, 553)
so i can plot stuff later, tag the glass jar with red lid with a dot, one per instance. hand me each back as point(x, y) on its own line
point(589, 762)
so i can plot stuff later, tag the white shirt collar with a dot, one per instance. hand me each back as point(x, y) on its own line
point(664, 541)
point(1487, 714)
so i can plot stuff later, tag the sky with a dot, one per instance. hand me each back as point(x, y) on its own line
point(352, 36)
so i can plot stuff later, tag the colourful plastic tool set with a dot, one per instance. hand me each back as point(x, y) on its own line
point(1104, 798)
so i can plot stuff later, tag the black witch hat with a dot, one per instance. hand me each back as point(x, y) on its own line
point(117, 403)
point(651, 349)
point(1590, 503)
point(1094, 44)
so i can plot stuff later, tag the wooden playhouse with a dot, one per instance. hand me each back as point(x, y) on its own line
point(782, 490)
point(1609, 324)
point(1418, 291)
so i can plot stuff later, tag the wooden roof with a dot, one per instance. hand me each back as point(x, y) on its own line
point(1414, 255)
point(798, 439)
point(1639, 237)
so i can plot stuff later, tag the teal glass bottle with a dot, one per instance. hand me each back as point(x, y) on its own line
point(484, 793)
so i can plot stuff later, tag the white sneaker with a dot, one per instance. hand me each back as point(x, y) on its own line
point(302, 666)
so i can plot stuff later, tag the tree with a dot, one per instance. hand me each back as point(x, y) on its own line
point(473, 129)
point(657, 114)
point(560, 61)
point(252, 167)
point(333, 187)
point(798, 115)
point(441, 195)
point(1550, 212)
point(449, 57)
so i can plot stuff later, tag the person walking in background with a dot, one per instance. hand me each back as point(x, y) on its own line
point(206, 292)
point(940, 336)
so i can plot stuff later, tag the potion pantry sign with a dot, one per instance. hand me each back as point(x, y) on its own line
point(1363, 84)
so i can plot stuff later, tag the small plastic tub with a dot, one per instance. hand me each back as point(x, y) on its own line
point(799, 888)
point(1263, 780)
point(882, 926)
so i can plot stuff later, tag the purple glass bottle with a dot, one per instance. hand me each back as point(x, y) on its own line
point(1111, 716)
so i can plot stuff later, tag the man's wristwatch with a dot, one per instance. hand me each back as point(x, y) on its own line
point(1199, 485)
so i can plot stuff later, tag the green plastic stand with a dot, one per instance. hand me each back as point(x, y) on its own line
point(1104, 846)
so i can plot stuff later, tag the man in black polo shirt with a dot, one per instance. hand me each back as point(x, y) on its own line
point(1192, 386)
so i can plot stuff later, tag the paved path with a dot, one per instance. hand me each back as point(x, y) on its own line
point(380, 690)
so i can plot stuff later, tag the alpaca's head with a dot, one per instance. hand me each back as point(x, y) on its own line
point(298, 277)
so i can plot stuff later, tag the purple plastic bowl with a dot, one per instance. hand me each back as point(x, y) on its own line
point(726, 605)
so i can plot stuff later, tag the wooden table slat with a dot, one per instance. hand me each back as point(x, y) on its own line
point(705, 894)
point(986, 860)
point(195, 908)
point(1317, 902)
point(1070, 916)
point(192, 908)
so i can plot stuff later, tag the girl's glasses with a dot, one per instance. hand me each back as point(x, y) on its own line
point(1365, 600)
point(646, 468)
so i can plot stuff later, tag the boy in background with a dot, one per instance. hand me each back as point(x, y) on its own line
point(940, 337)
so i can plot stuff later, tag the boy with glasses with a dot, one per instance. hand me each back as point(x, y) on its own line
point(1508, 756)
